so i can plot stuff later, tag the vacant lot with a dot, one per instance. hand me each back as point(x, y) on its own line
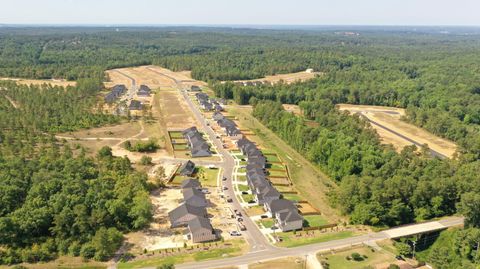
point(287, 78)
point(53, 82)
point(368, 258)
point(392, 130)
point(286, 263)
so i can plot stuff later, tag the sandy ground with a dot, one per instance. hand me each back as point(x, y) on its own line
point(287, 78)
point(53, 82)
point(175, 111)
point(292, 108)
point(391, 118)
point(159, 235)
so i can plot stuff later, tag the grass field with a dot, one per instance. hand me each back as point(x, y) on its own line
point(291, 240)
point(254, 210)
point(370, 258)
point(248, 197)
point(390, 117)
point(267, 223)
point(314, 221)
point(308, 179)
point(274, 173)
point(63, 262)
point(272, 158)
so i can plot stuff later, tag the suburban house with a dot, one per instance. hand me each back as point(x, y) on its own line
point(200, 230)
point(195, 197)
point(285, 214)
point(181, 215)
point(115, 93)
point(217, 116)
point(266, 193)
point(191, 183)
point(135, 105)
point(197, 144)
point(204, 101)
point(187, 169)
point(144, 91)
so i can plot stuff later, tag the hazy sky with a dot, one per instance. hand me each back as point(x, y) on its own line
point(283, 12)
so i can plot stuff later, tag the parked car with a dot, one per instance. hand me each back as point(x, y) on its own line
point(274, 227)
point(225, 188)
point(206, 191)
point(239, 219)
point(239, 214)
point(229, 200)
point(264, 217)
point(244, 192)
point(224, 179)
point(235, 233)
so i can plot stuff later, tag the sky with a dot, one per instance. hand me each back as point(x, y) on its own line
point(241, 12)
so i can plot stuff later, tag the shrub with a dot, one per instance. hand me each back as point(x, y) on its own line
point(357, 257)
point(146, 160)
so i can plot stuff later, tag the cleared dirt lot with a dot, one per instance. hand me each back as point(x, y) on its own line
point(53, 82)
point(392, 130)
point(287, 78)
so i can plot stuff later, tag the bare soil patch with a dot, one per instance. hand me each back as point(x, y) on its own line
point(286, 78)
point(293, 108)
point(53, 82)
point(391, 118)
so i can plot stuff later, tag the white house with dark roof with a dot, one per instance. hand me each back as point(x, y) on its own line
point(181, 215)
point(285, 213)
point(200, 230)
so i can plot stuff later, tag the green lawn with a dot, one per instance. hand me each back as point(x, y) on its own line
point(178, 179)
point(290, 240)
point(176, 135)
point(208, 177)
point(242, 170)
point(370, 258)
point(276, 166)
point(275, 173)
point(248, 197)
point(242, 187)
point(314, 221)
point(255, 210)
point(267, 223)
point(242, 178)
point(292, 197)
point(284, 188)
point(273, 158)
point(180, 146)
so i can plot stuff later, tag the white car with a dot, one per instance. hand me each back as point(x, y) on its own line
point(235, 233)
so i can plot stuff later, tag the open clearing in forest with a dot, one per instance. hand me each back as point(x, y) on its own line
point(286, 78)
point(35, 82)
point(153, 76)
point(392, 130)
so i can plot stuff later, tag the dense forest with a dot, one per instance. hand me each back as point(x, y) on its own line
point(53, 199)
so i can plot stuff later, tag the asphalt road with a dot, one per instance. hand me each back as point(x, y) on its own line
point(253, 257)
point(133, 89)
point(256, 240)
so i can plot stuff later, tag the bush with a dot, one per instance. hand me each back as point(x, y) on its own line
point(166, 266)
point(393, 266)
point(146, 160)
point(87, 251)
point(357, 257)
point(149, 146)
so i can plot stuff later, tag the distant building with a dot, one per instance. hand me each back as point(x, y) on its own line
point(135, 105)
point(115, 93)
point(181, 215)
point(197, 144)
point(194, 88)
point(144, 91)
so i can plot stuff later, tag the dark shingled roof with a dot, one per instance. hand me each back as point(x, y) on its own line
point(187, 168)
point(199, 223)
point(191, 183)
point(135, 105)
point(185, 209)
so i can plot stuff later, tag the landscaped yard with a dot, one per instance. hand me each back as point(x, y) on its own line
point(292, 197)
point(177, 180)
point(367, 258)
point(242, 170)
point(277, 173)
point(273, 158)
point(176, 135)
point(242, 178)
point(290, 240)
point(254, 210)
point(180, 146)
point(242, 187)
point(314, 221)
point(281, 188)
point(248, 197)
point(267, 223)
point(208, 177)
